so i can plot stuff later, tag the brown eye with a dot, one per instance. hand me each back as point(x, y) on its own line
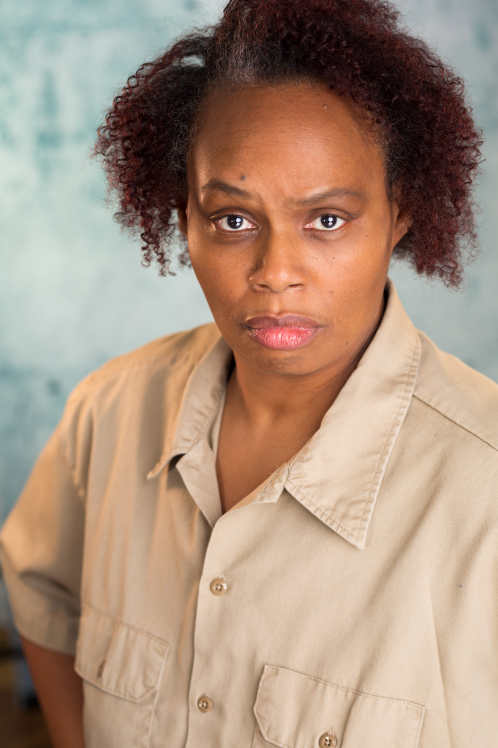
point(326, 222)
point(233, 222)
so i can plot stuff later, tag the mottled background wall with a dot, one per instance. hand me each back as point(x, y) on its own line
point(72, 290)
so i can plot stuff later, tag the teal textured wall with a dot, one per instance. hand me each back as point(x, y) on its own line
point(72, 290)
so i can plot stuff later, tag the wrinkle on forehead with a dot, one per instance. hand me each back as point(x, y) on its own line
point(309, 122)
point(337, 104)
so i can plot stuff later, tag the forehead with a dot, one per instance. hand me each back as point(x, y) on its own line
point(299, 128)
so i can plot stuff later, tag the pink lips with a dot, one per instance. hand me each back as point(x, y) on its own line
point(282, 333)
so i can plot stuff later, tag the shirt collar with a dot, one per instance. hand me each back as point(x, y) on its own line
point(338, 473)
point(204, 388)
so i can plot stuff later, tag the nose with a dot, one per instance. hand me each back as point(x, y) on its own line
point(278, 267)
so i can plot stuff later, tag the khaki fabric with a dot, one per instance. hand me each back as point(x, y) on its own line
point(357, 588)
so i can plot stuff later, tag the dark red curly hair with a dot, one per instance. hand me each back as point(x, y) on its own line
point(359, 48)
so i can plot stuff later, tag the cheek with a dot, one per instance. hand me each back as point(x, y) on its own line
point(222, 272)
point(351, 282)
point(220, 284)
point(353, 271)
point(362, 258)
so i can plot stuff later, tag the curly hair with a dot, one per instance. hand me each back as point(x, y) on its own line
point(359, 48)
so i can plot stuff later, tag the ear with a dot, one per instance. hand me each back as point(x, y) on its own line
point(181, 209)
point(402, 223)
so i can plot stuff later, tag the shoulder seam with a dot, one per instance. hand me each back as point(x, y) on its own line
point(74, 479)
point(116, 367)
point(460, 425)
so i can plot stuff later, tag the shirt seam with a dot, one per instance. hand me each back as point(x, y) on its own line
point(351, 690)
point(72, 471)
point(153, 359)
point(184, 448)
point(319, 510)
point(126, 625)
point(156, 698)
point(452, 420)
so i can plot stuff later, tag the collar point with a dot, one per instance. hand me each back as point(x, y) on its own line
point(153, 473)
point(158, 468)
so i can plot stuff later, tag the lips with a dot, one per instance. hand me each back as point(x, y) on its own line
point(283, 333)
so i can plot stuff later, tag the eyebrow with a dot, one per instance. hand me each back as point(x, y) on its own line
point(320, 197)
point(229, 189)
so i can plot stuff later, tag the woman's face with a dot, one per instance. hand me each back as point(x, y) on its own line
point(290, 230)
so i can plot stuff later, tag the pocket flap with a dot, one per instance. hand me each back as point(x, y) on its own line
point(294, 710)
point(118, 658)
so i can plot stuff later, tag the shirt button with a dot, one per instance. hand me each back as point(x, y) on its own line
point(328, 740)
point(205, 704)
point(218, 586)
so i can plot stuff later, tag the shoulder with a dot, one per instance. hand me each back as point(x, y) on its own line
point(180, 351)
point(151, 377)
point(463, 396)
point(130, 403)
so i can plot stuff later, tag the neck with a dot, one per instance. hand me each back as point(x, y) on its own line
point(265, 398)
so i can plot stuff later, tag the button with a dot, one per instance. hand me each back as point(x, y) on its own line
point(205, 704)
point(218, 586)
point(328, 740)
point(101, 669)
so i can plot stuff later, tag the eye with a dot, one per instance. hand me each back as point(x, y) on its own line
point(326, 222)
point(234, 222)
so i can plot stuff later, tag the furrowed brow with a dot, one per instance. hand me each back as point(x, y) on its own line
point(228, 189)
point(321, 197)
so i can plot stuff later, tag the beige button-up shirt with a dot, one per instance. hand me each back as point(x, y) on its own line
point(350, 600)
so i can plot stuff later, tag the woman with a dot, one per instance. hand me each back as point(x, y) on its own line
point(280, 529)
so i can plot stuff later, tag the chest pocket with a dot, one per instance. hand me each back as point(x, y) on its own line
point(296, 711)
point(119, 664)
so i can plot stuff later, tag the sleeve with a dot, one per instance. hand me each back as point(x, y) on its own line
point(41, 551)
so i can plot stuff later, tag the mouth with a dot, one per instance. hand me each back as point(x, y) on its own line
point(284, 333)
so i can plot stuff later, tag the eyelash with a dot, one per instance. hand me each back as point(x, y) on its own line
point(309, 225)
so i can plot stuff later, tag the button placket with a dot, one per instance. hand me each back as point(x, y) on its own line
point(207, 668)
